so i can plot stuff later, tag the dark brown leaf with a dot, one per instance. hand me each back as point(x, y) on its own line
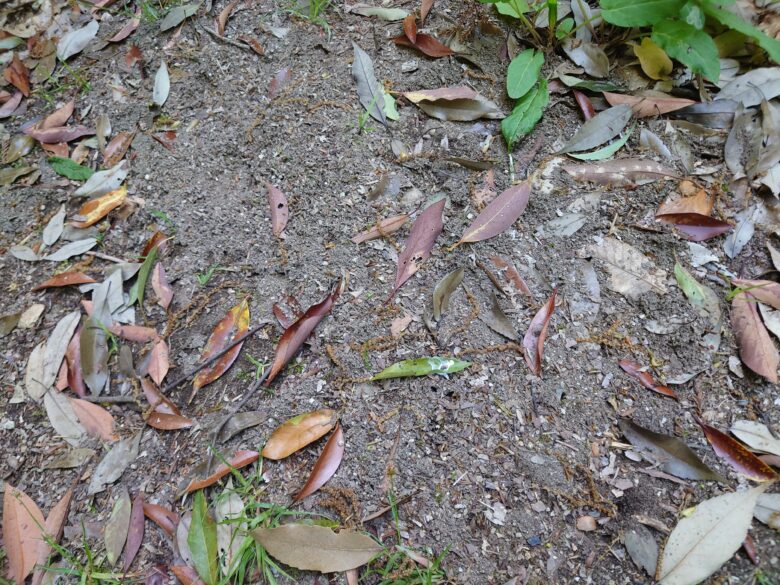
point(65, 279)
point(237, 461)
point(645, 378)
point(756, 348)
point(163, 517)
point(499, 215)
point(135, 535)
point(117, 148)
point(426, 44)
point(738, 457)
point(697, 228)
point(425, 229)
point(233, 325)
point(280, 212)
point(410, 28)
point(533, 341)
point(326, 465)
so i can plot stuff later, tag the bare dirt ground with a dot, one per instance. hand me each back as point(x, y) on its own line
point(494, 465)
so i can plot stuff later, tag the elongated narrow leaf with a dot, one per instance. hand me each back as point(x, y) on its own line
point(161, 287)
point(645, 107)
point(317, 548)
point(422, 367)
point(93, 346)
point(114, 463)
point(55, 524)
point(295, 335)
point(162, 516)
point(596, 131)
point(326, 465)
point(97, 421)
point(533, 341)
point(370, 93)
point(158, 361)
point(523, 72)
point(22, 523)
point(71, 249)
point(460, 103)
point(65, 279)
point(204, 477)
point(703, 541)
point(389, 225)
point(497, 320)
point(629, 171)
point(757, 436)
point(115, 532)
point(117, 148)
point(135, 535)
point(178, 14)
point(297, 432)
point(202, 540)
point(231, 528)
point(389, 14)
point(426, 44)
point(425, 229)
point(756, 348)
point(645, 378)
point(139, 286)
point(444, 290)
point(605, 151)
point(738, 457)
point(499, 215)
point(675, 457)
point(57, 345)
point(75, 41)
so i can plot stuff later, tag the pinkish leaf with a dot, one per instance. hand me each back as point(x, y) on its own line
point(58, 134)
point(161, 287)
point(59, 117)
point(425, 229)
point(756, 348)
point(158, 362)
point(10, 106)
point(533, 341)
point(95, 419)
point(279, 210)
point(499, 215)
point(128, 29)
point(135, 534)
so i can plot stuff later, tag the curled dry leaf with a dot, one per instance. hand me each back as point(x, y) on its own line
point(691, 214)
point(93, 211)
point(738, 457)
point(22, 523)
point(317, 548)
point(65, 279)
point(161, 287)
point(647, 106)
point(499, 215)
point(461, 104)
point(18, 75)
point(383, 227)
point(295, 335)
point(645, 378)
point(425, 229)
point(233, 325)
point(280, 212)
point(222, 19)
point(297, 432)
point(424, 43)
point(756, 348)
point(237, 461)
point(444, 290)
point(326, 465)
point(533, 341)
point(163, 517)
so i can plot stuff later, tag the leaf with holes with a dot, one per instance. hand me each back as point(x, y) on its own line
point(280, 212)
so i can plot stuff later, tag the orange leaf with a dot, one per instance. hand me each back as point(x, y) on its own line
point(233, 325)
point(410, 28)
point(163, 517)
point(157, 401)
point(738, 457)
point(96, 209)
point(223, 17)
point(55, 524)
point(756, 348)
point(237, 461)
point(186, 575)
point(117, 148)
point(58, 117)
point(645, 107)
point(645, 378)
point(297, 432)
point(425, 44)
point(22, 526)
point(326, 465)
point(513, 275)
point(158, 361)
point(95, 419)
point(133, 56)
point(136, 333)
point(18, 75)
point(533, 341)
point(65, 279)
point(292, 339)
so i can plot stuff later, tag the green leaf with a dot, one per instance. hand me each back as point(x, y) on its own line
point(422, 367)
point(693, 48)
point(630, 13)
point(731, 20)
point(605, 151)
point(202, 540)
point(70, 169)
point(389, 107)
point(137, 290)
point(526, 113)
point(692, 14)
point(508, 8)
point(564, 28)
point(523, 72)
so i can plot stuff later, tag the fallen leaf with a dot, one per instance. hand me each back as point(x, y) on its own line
point(326, 465)
point(587, 55)
point(187, 575)
point(18, 75)
point(65, 279)
point(72, 458)
point(61, 134)
point(237, 461)
point(96, 209)
point(55, 523)
point(317, 548)
point(72, 249)
point(513, 275)
point(444, 290)
point(499, 215)
point(202, 540)
point(425, 8)
point(9, 107)
point(222, 19)
point(461, 104)
point(383, 227)
point(128, 29)
point(422, 367)
point(103, 182)
point(605, 126)
point(63, 418)
point(757, 436)
point(56, 346)
point(163, 517)
point(426, 44)
point(425, 229)
point(22, 525)
point(497, 320)
point(233, 325)
point(97, 421)
point(586, 523)
point(280, 212)
point(162, 85)
point(389, 14)
point(756, 348)
point(647, 106)
point(706, 303)
point(533, 340)
point(158, 361)
point(654, 61)
point(93, 352)
point(279, 81)
point(117, 148)
point(645, 378)
point(117, 526)
point(642, 548)
point(135, 535)
point(410, 28)
point(738, 457)
point(161, 287)
point(75, 41)
point(632, 274)
point(768, 510)
point(623, 172)
point(297, 432)
point(69, 169)
point(113, 465)
point(370, 92)
point(705, 540)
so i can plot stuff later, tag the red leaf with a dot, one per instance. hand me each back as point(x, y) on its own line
point(73, 358)
point(533, 341)
point(161, 287)
point(645, 378)
point(158, 361)
point(295, 335)
point(279, 209)
point(326, 465)
point(425, 44)
point(585, 105)
point(65, 279)
point(696, 227)
point(499, 215)
point(22, 522)
point(738, 457)
point(410, 28)
point(18, 75)
point(164, 421)
point(95, 419)
point(648, 106)
point(186, 575)
point(756, 348)
point(135, 534)
point(133, 56)
point(163, 517)
point(233, 325)
point(425, 229)
point(425, 8)
point(157, 401)
point(513, 275)
point(237, 461)
point(54, 526)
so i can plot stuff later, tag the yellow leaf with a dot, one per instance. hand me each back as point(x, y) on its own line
point(655, 63)
point(96, 209)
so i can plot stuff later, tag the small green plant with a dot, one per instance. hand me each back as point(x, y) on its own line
point(259, 366)
point(163, 217)
point(151, 10)
point(313, 10)
point(82, 565)
point(205, 277)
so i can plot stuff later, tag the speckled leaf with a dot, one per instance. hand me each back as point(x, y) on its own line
point(233, 325)
point(326, 465)
point(422, 367)
point(33, 375)
point(736, 455)
point(297, 432)
point(231, 529)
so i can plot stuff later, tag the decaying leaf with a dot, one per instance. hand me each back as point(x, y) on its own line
point(648, 106)
point(113, 465)
point(370, 92)
point(117, 148)
point(757, 436)
point(65, 279)
point(632, 274)
point(203, 477)
point(297, 432)
point(605, 126)
point(317, 548)
point(756, 348)
point(454, 103)
point(97, 421)
point(232, 326)
point(280, 212)
point(387, 226)
point(422, 367)
point(499, 215)
point(737, 456)
point(55, 523)
point(63, 418)
point(115, 532)
point(424, 43)
point(623, 172)
point(497, 320)
point(326, 465)
point(163, 517)
point(93, 351)
point(645, 378)
point(22, 527)
point(533, 340)
point(230, 528)
point(444, 290)
point(425, 229)
point(93, 211)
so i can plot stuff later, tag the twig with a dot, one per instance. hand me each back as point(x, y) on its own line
point(106, 257)
point(184, 377)
point(386, 509)
point(219, 37)
point(110, 399)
